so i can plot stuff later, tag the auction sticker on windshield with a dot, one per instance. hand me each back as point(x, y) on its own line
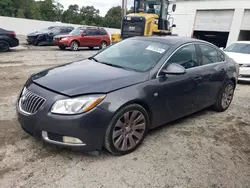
point(156, 49)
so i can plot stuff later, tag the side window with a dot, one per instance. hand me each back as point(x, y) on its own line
point(92, 32)
point(185, 56)
point(88, 32)
point(210, 55)
point(103, 32)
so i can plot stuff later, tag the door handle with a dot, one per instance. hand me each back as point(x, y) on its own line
point(197, 79)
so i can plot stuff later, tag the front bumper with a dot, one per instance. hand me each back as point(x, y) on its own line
point(89, 128)
point(244, 74)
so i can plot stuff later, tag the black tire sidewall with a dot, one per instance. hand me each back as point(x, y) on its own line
point(8, 46)
point(108, 142)
point(218, 106)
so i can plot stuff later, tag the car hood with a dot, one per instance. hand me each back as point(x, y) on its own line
point(36, 33)
point(239, 58)
point(85, 77)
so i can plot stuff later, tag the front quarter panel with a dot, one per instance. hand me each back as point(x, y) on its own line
point(145, 94)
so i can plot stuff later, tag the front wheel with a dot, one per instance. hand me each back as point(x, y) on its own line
point(4, 46)
point(225, 98)
point(103, 45)
point(74, 46)
point(126, 130)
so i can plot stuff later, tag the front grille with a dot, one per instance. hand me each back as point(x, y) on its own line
point(133, 27)
point(30, 102)
point(55, 137)
point(32, 39)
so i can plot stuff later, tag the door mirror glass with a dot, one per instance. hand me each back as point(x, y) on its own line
point(174, 7)
point(174, 69)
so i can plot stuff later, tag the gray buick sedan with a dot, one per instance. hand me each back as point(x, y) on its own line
point(113, 98)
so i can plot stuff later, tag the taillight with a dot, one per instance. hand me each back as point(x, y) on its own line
point(12, 33)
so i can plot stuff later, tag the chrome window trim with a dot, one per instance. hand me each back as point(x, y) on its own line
point(157, 75)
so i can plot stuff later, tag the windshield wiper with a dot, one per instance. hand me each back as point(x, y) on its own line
point(113, 65)
point(92, 58)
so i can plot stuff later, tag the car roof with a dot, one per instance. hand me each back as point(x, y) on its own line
point(243, 42)
point(170, 40)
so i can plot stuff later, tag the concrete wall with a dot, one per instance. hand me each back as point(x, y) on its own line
point(185, 14)
point(25, 26)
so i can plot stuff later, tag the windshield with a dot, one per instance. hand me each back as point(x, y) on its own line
point(76, 31)
point(239, 48)
point(134, 54)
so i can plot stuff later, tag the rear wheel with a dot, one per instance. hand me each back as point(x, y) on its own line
point(126, 130)
point(74, 46)
point(103, 45)
point(4, 46)
point(225, 98)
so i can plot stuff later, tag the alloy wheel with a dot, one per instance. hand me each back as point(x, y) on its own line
point(129, 130)
point(103, 45)
point(227, 96)
point(75, 46)
point(4, 46)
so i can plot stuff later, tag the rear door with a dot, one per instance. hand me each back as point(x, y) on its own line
point(213, 71)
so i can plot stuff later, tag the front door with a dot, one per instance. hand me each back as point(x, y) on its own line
point(180, 93)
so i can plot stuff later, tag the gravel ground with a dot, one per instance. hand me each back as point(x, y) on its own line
point(206, 149)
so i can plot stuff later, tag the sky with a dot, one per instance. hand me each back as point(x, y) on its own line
point(102, 5)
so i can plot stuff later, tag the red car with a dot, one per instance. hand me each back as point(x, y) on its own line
point(83, 37)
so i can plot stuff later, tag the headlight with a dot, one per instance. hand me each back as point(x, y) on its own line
point(64, 38)
point(77, 105)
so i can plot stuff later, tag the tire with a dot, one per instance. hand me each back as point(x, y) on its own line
point(74, 46)
point(103, 45)
point(62, 47)
point(225, 97)
point(134, 129)
point(91, 48)
point(4, 46)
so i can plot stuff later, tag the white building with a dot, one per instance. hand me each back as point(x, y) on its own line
point(218, 21)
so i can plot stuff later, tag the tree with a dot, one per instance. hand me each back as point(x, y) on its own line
point(59, 11)
point(113, 17)
point(7, 8)
point(90, 15)
point(47, 10)
point(71, 15)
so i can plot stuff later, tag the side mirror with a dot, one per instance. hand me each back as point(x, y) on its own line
point(174, 69)
point(173, 26)
point(222, 48)
point(83, 34)
point(174, 7)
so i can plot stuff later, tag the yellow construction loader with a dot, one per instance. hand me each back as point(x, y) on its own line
point(150, 17)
